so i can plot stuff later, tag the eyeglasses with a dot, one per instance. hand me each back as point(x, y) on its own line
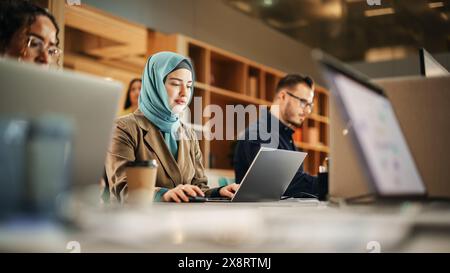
point(303, 103)
point(37, 46)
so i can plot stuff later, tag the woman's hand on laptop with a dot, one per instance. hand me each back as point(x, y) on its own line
point(229, 191)
point(181, 193)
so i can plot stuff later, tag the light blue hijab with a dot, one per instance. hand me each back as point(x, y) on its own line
point(153, 99)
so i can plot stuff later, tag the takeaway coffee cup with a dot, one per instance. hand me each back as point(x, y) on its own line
point(141, 178)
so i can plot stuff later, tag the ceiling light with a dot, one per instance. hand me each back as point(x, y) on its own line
point(267, 3)
point(242, 6)
point(386, 53)
point(378, 12)
point(435, 5)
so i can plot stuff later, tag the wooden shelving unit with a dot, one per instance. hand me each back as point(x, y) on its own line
point(102, 44)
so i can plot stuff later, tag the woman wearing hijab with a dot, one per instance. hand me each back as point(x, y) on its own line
point(154, 131)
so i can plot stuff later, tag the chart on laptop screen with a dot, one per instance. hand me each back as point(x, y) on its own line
point(381, 139)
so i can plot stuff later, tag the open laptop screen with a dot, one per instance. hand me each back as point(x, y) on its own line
point(377, 132)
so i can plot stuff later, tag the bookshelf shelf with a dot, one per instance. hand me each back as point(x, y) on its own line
point(312, 147)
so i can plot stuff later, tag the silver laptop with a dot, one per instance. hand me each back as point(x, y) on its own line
point(268, 176)
point(91, 103)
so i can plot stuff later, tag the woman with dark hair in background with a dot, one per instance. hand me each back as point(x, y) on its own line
point(132, 100)
point(28, 33)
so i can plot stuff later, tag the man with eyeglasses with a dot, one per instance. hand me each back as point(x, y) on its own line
point(28, 33)
point(292, 103)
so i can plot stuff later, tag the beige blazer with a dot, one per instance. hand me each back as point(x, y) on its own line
point(135, 138)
